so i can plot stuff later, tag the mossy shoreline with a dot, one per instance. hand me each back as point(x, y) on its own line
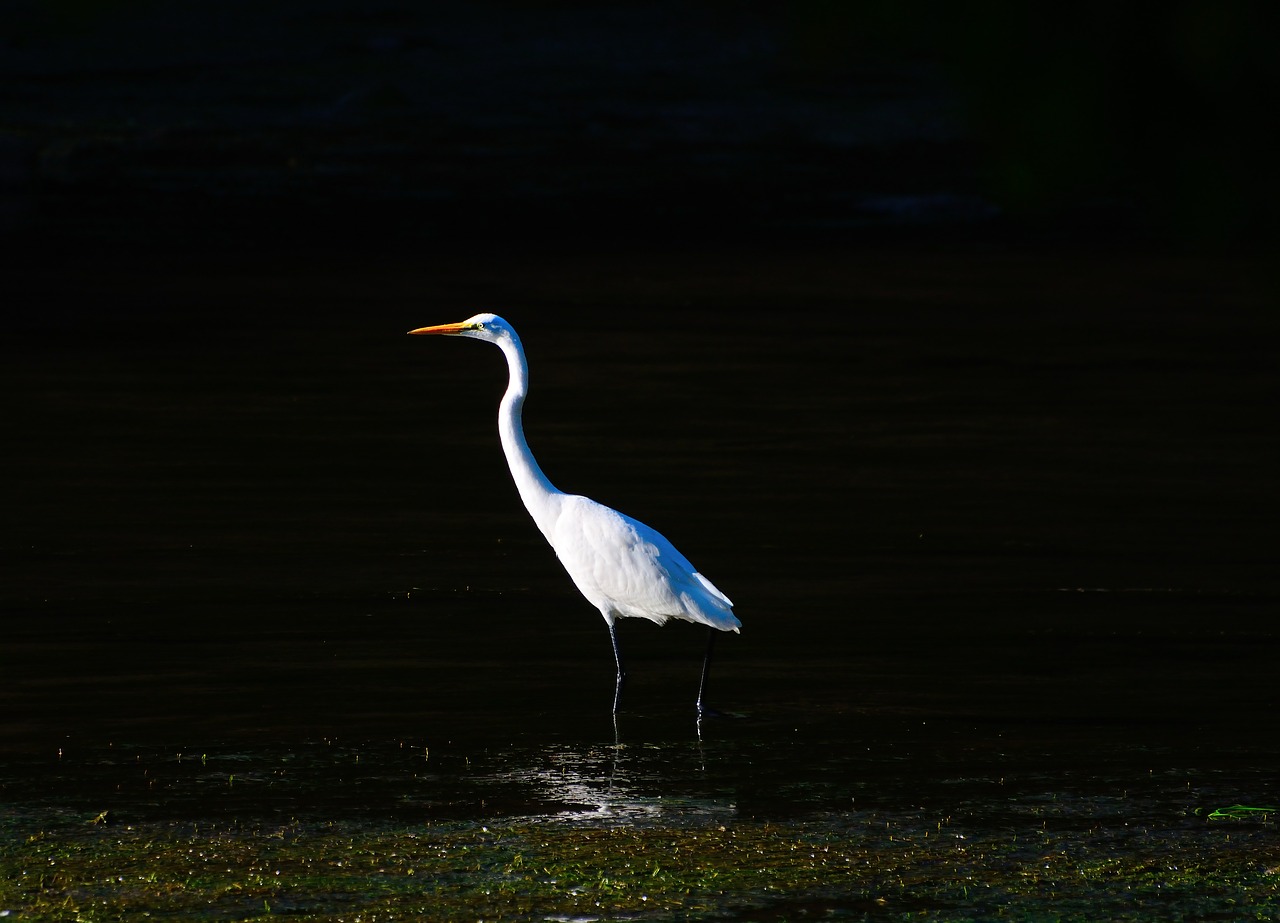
point(855, 866)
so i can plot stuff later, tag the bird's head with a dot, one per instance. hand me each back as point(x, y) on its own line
point(489, 327)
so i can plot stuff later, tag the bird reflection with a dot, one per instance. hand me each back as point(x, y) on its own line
point(617, 782)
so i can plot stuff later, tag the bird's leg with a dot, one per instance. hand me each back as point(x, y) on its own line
point(622, 674)
point(704, 709)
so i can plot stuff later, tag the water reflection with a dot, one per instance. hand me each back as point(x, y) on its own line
point(612, 785)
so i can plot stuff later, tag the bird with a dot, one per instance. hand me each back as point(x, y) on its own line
point(623, 567)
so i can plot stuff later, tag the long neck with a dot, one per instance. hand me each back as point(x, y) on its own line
point(540, 497)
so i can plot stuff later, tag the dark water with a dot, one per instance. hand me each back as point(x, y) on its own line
point(999, 527)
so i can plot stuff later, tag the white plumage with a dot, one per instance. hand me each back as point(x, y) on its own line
point(623, 567)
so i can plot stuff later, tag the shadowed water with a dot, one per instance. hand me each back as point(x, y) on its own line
point(1003, 548)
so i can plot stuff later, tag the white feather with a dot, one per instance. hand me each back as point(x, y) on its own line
point(624, 568)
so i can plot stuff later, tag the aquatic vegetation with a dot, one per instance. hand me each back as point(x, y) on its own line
point(1242, 812)
point(864, 864)
point(384, 830)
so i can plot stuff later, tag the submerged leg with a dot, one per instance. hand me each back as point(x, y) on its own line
point(704, 709)
point(622, 675)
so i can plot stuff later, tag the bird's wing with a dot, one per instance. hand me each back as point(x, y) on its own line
point(624, 565)
point(712, 589)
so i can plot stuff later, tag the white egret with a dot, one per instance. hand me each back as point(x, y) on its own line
point(624, 568)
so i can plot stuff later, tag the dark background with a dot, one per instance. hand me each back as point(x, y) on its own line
point(940, 336)
point(339, 125)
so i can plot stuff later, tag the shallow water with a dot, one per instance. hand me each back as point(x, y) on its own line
point(999, 527)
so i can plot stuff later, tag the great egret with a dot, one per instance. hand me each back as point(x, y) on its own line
point(624, 568)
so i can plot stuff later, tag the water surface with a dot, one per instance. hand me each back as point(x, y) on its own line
point(999, 527)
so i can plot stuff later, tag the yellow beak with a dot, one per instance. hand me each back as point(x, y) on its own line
point(442, 328)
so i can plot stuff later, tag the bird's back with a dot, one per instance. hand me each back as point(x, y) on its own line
point(628, 569)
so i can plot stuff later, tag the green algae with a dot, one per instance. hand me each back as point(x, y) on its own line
point(721, 830)
point(853, 866)
point(1242, 812)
